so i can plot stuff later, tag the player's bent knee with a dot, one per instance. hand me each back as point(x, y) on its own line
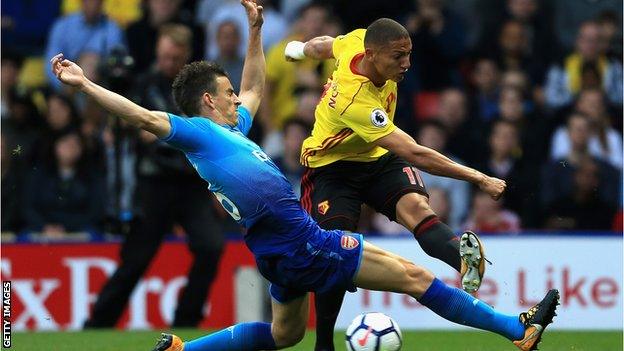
point(287, 336)
point(419, 204)
point(414, 207)
point(420, 278)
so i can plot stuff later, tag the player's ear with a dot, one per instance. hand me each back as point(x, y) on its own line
point(369, 53)
point(208, 100)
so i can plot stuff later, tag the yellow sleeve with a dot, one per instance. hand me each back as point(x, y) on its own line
point(369, 121)
point(353, 40)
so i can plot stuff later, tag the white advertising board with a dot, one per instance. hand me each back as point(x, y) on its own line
point(586, 270)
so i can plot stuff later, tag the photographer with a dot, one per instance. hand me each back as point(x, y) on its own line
point(168, 192)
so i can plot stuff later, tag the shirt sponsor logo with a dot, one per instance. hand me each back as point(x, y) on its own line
point(379, 118)
point(348, 242)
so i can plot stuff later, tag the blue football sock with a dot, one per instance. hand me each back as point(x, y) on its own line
point(240, 337)
point(457, 306)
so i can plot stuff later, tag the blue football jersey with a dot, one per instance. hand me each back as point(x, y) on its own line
point(243, 178)
point(291, 250)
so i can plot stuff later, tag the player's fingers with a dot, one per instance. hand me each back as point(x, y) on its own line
point(56, 57)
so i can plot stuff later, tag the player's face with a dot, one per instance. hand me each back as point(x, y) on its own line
point(226, 100)
point(393, 60)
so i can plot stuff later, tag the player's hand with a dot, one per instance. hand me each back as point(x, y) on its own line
point(493, 186)
point(254, 13)
point(67, 71)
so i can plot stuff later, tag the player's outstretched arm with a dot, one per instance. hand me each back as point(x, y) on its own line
point(252, 81)
point(320, 48)
point(434, 162)
point(71, 74)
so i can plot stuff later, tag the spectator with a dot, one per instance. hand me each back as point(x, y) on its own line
point(486, 80)
point(558, 175)
point(60, 118)
point(64, 195)
point(513, 52)
point(586, 67)
point(228, 40)
point(273, 30)
point(438, 39)
point(489, 216)
point(294, 133)
point(464, 133)
point(285, 79)
point(526, 25)
point(143, 34)
point(433, 134)
point(605, 142)
point(583, 208)
point(516, 79)
point(168, 192)
point(504, 161)
point(88, 31)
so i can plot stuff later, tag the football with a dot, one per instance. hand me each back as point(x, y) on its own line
point(373, 332)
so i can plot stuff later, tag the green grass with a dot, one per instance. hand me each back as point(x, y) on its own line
point(116, 340)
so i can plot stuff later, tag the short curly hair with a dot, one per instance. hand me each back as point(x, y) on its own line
point(193, 80)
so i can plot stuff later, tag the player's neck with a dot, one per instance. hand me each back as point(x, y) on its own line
point(216, 117)
point(368, 70)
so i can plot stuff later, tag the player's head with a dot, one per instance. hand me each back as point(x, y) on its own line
point(203, 89)
point(388, 47)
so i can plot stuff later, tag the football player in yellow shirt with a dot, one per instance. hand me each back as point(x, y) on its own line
point(357, 155)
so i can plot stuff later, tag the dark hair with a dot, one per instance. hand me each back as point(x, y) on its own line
point(383, 31)
point(193, 80)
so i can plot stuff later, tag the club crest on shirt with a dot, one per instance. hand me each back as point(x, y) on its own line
point(323, 207)
point(348, 242)
point(379, 118)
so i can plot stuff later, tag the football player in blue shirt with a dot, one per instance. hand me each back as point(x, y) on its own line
point(290, 249)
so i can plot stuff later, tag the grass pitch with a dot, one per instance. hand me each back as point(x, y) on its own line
point(117, 340)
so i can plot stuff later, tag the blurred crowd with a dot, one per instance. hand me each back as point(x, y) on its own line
point(529, 91)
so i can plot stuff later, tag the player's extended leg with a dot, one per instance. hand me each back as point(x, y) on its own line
point(381, 270)
point(287, 329)
point(439, 241)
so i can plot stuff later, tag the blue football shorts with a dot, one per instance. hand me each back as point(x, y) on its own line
point(326, 260)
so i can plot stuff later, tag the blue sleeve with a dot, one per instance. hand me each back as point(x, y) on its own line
point(187, 135)
point(244, 119)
